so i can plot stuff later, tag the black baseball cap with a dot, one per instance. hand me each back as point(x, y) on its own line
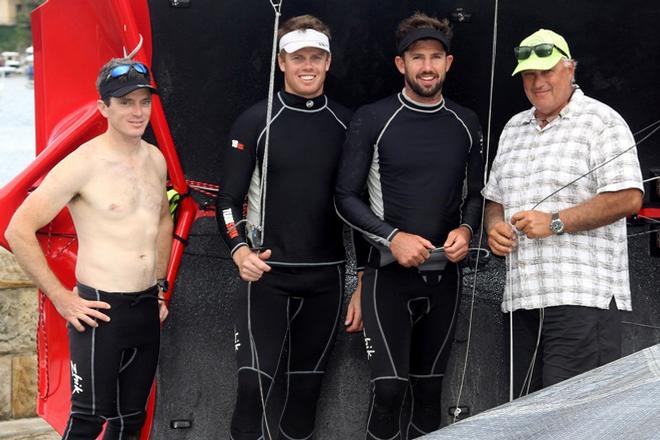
point(124, 79)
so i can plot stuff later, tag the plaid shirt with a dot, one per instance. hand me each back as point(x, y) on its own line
point(584, 268)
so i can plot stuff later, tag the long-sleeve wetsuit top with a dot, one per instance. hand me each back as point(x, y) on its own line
point(297, 217)
point(422, 166)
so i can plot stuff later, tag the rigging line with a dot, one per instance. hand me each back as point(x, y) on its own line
point(651, 219)
point(277, 6)
point(650, 179)
point(597, 167)
point(641, 130)
point(637, 324)
point(457, 411)
point(641, 234)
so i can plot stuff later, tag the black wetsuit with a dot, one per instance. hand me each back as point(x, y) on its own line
point(113, 366)
point(423, 170)
point(298, 302)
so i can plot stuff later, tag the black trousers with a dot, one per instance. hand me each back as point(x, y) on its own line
point(289, 309)
point(573, 339)
point(113, 366)
point(408, 334)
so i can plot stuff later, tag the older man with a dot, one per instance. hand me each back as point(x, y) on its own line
point(567, 251)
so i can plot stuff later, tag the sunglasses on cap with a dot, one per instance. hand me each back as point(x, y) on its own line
point(543, 50)
point(123, 69)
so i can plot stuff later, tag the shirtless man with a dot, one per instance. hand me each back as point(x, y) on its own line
point(114, 187)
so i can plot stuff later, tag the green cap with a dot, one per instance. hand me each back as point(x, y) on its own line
point(535, 62)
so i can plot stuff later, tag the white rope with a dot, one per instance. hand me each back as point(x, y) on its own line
point(602, 164)
point(277, 7)
point(457, 410)
point(134, 51)
point(509, 282)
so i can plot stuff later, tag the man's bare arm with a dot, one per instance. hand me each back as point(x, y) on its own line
point(38, 209)
point(601, 210)
point(501, 236)
point(163, 248)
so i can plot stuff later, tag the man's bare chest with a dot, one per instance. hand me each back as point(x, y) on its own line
point(118, 191)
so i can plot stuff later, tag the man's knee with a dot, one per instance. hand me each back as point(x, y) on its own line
point(250, 400)
point(388, 398)
point(83, 426)
point(389, 393)
point(125, 427)
point(427, 404)
point(300, 411)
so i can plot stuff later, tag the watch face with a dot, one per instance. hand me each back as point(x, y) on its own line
point(163, 284)
point(557, 226)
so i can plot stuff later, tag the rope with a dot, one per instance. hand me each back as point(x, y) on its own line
point(599, 166)
point(134, 51)
point(457, 407)
point(277, 6)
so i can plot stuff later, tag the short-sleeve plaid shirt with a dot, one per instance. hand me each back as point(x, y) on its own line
point(584, 268)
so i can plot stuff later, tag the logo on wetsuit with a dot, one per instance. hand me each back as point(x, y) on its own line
point(77, 385)
point(237, 342)
point(229, 223)
point(237, 145)
point(368, 346)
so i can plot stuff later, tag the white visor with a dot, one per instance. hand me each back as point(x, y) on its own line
point(298, 39)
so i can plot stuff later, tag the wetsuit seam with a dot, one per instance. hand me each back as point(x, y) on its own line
point(282, 263)
point(336, 117)
point(295, 109)
point(440, 105)
point(258, 371)
point(119, 414)
point(426, 376)
point(453, 319)
point(263, 130)
point(375, 237)
point(288, 359)
point(235, 248)
point(122, 368)
point(336, 321)
point(295, 314)
point(380, 327)
point(93, 356)
point(403, 379)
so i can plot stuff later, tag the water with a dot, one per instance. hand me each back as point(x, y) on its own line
point(17, 142)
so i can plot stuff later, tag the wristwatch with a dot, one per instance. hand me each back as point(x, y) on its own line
point(556, 225)
point(163, 284)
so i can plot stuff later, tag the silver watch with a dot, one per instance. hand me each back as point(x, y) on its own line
point(556, 225)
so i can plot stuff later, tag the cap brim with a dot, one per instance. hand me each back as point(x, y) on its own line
point(293, 47)
point(130, 88)
point(536, 63)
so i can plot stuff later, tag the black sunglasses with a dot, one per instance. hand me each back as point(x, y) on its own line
point(543, 50)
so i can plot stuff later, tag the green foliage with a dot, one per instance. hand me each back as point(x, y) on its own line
point(18, 37)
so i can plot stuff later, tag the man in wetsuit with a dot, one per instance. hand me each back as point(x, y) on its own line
point(290, 255)
point(419, 156)
point(114, 187)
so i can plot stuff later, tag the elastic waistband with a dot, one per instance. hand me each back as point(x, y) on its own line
point(153, 290)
